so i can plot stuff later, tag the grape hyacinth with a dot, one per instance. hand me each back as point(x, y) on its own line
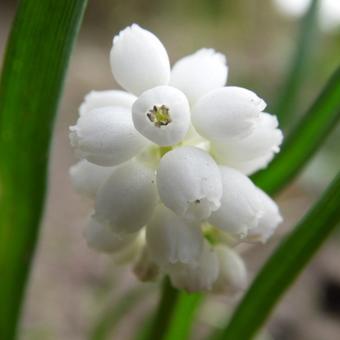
point(166, 163)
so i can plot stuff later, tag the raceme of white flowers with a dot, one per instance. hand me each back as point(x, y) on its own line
point(166, 163)
point(329, 11)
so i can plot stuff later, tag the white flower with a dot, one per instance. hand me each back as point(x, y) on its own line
point(128, 198)
point(87, 177)
point(167, 118)
point(196, 277)
point(206, 64)
point(241, 206)
point(139, 60)
point(189, 182)
point(100, 237)
point(151, 160)
point(106, 136)
point(232, 271)
point(226, 113)
point(254, 151)
point(329, 11)
point(170, 239)
point(268, 222)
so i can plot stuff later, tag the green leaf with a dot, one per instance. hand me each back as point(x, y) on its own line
point(36, 58)
point(289, 93)
point(282, 268)
point(184, 313)
point(301, 144)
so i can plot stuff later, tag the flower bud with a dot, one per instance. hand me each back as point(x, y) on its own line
point(170, 239)
point(127, 200)
point(189, 182)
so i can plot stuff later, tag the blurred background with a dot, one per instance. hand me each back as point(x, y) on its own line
point(73, 289)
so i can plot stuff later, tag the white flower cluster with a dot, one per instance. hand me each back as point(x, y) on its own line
point(167, 162)
point(329, 11)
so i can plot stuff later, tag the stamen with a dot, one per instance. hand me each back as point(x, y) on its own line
point(159, 115)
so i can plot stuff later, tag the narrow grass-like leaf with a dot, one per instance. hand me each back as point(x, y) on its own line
point(184, 312)
point(305, 139)
point(289, 93)
point(282, 268)
point(36, 58)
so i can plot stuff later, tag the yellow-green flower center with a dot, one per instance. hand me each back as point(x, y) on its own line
point(159, 115)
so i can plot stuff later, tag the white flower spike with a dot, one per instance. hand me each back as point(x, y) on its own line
point(139, 60)
point(189, 182)
point(166, 165)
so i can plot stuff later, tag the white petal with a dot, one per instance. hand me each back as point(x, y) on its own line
point(128, 198)
point(87, 177)
point(189, 182)
point(241, 206)
point(252, 152)
point(106, 136)
point(97, 99)
point(129, 254)
point(226, 113)
point(199, 277)
point(170, 239)
point(145, 268)
point(268, 222)
point(175, 115)
point(101, 238)
point(199, 73)
point(233, 274)
point(139, 60)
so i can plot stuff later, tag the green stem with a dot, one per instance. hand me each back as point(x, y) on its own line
point(289, 93)
point(35, 63)
point(164, 311)
point(183, 315)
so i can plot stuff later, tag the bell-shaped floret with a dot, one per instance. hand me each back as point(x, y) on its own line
point(268, 222)
point(113, 98)
point(100, 237)
point(241, 206)
point(87, 177)
point(189, 182)
point(252, 152)
point(162, 114)
point(227, 112)
point(128, 198)
point(232, 276)
point(139, 60)
point(170, 239)
point(106, 136)
point(196, 277)
point(199, 73)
